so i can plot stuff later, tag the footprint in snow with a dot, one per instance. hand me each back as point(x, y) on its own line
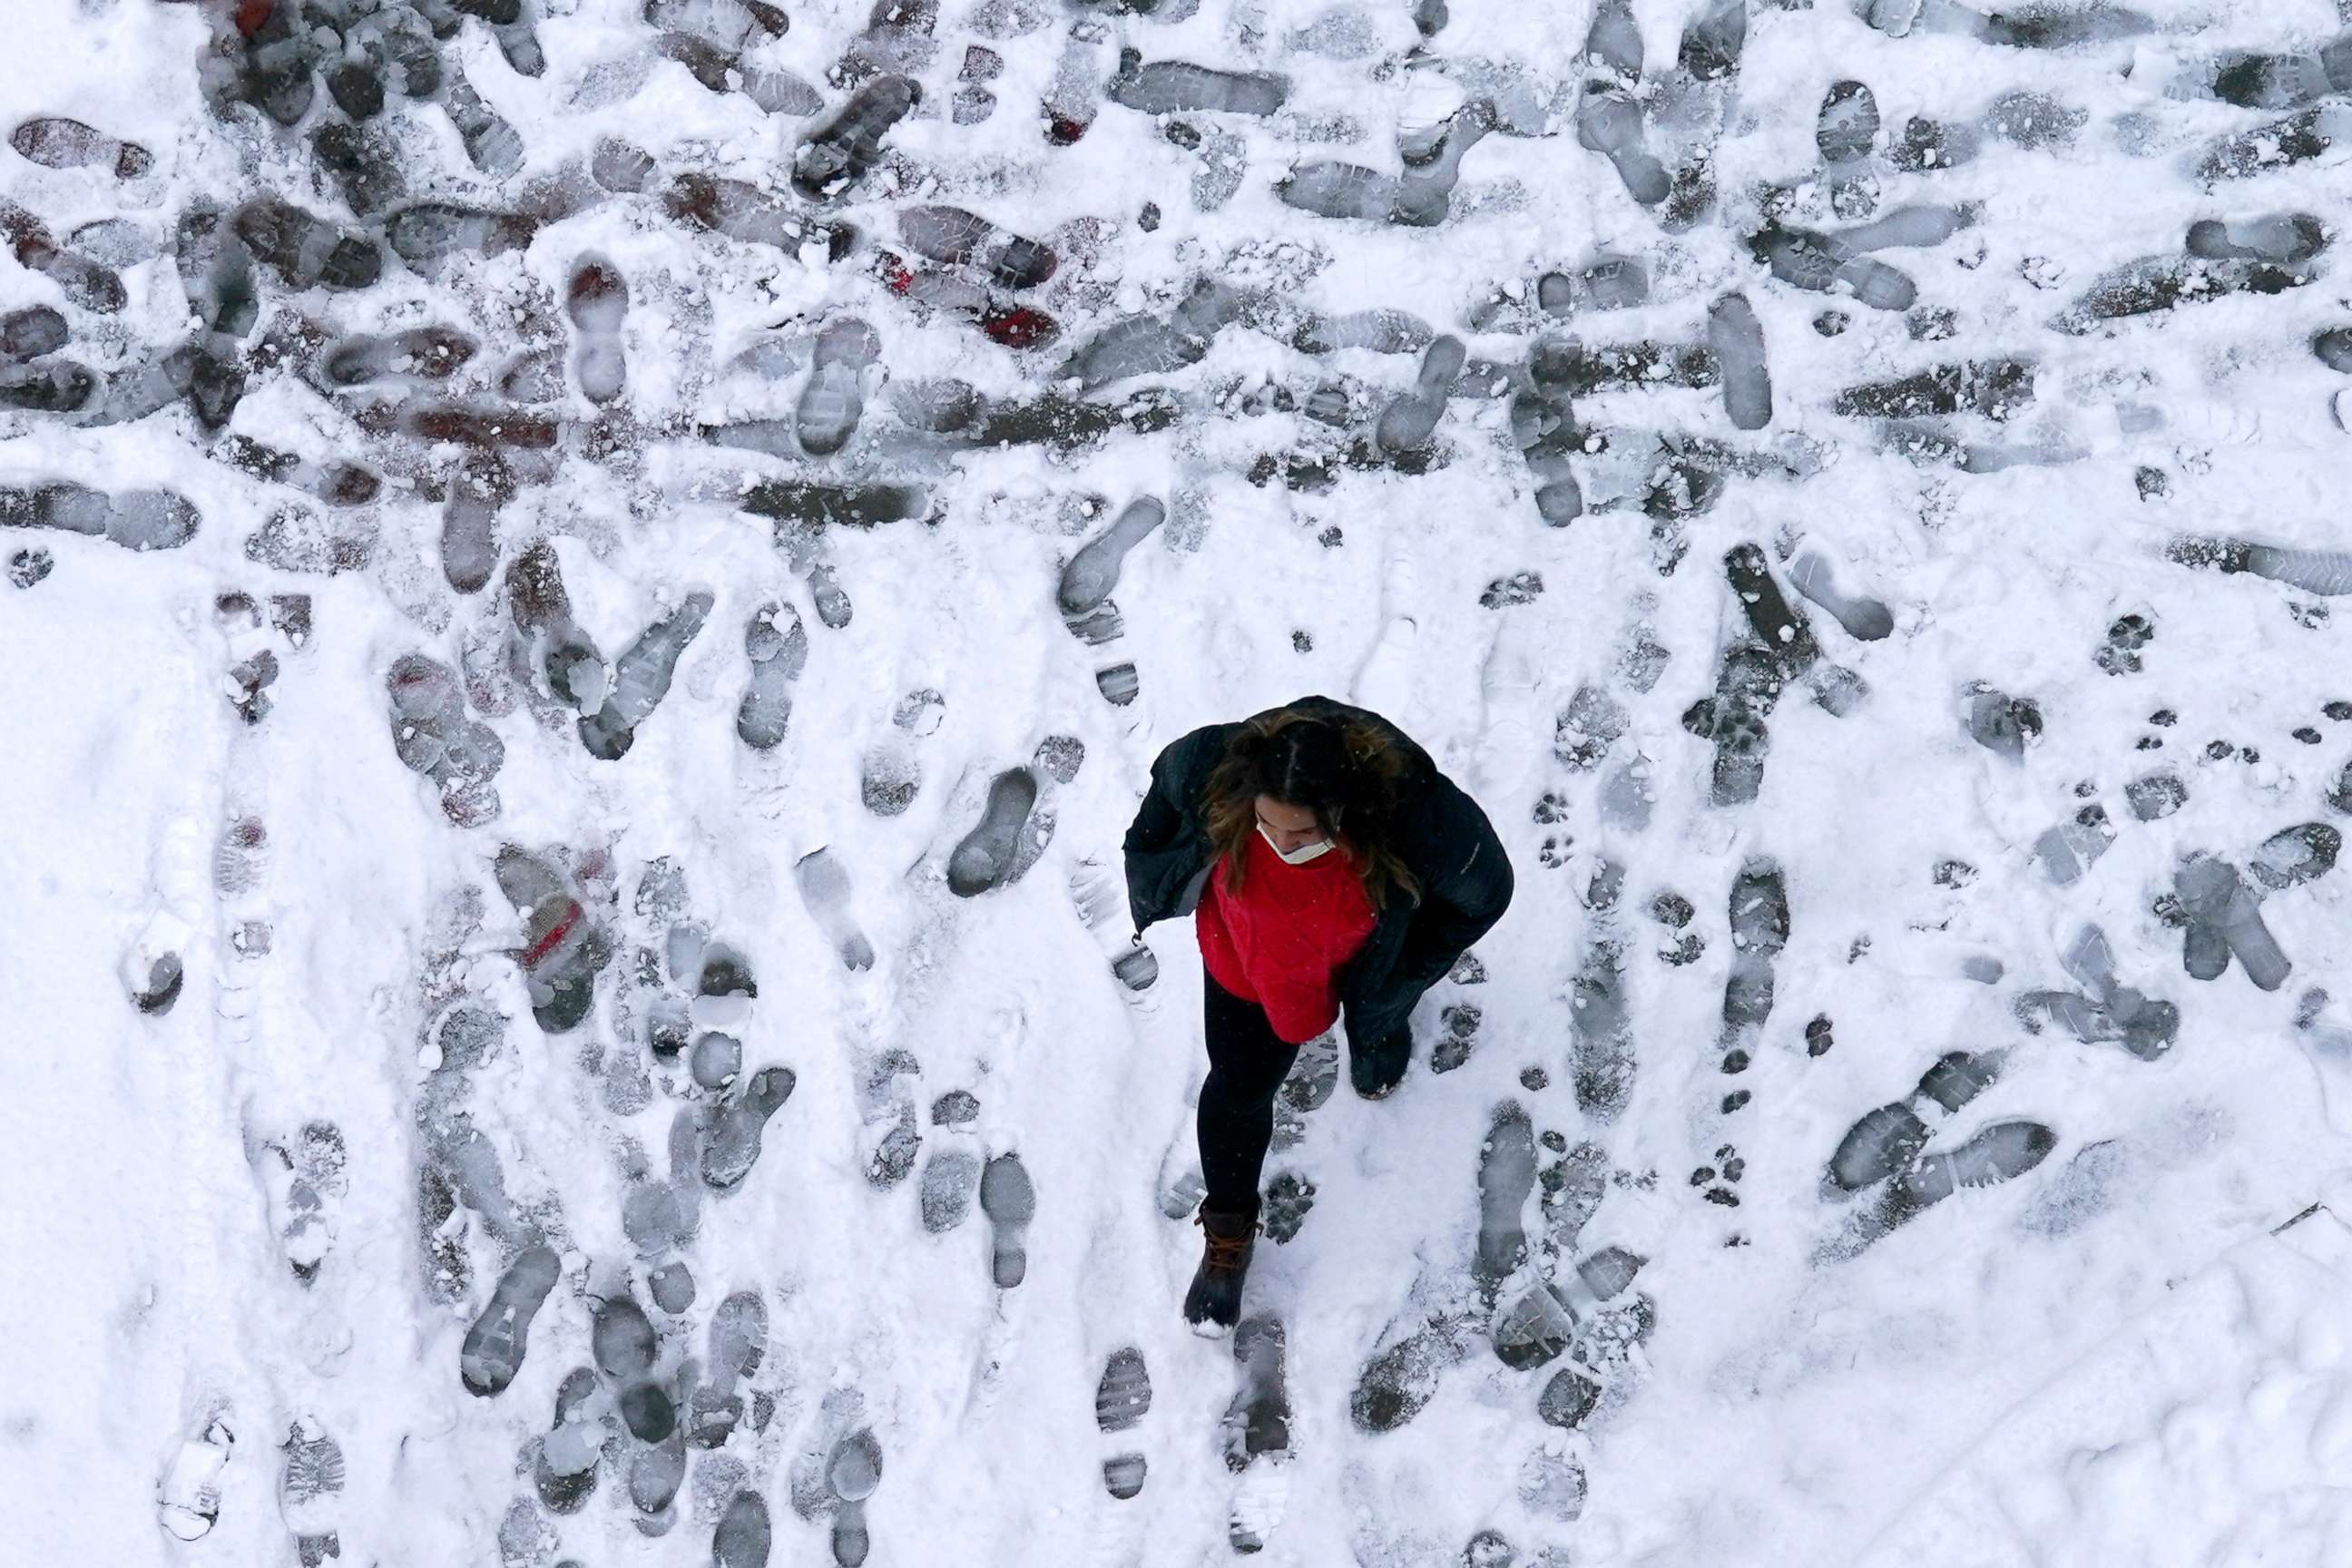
point(1409, 420)
point(1401, 1378)
point(951, 1182)
point(564, 1462)
point(656, 1471)
point(1507, 1178)
point(890, 773)
point(744, 1536)
point(954, 235)
point(305, 1179)
point(628, 1350)
point(1759, 930)
point(310, 1491)
point(1084, 594)
point(55, 142)
point(2144, 1026)
point(671, 1285)
point(419, 356)
point(988, 857)
point(641, 678)
point(738, 1343)
point(1864, 620)
point(188, 1495)
point(563, 948)
point(777, 643)
point(1552, 1485)
point(1122, 1399)
point(623, 1341)
point(1845, 132)
point(1008, 1199)
point(597, 300)
point(1573, 1185)
point(1567, 1398)
point(1610, 118)
point(832, 401)
point(823, 884)
point(715, 1061)
point(724, 986)
point(852, 1471)
point(432, 735)
point(885, 1107)
point(470, 522)
point(494, 1346)
point(660, 1216)
point(1254, 1434)
point(548, 639)
point(734, 1143)
point(712, 1485)
point(1888, 1148)
point(1603, 1063)
point(836, 156)
point(1583, 1312)
point(2221, 918)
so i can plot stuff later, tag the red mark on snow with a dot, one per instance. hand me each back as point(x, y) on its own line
point(1020, 327)
point(555, 933)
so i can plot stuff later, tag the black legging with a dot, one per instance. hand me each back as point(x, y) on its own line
point(1247, 1062)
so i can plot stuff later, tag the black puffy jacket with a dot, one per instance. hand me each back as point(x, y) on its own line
point(1440, 834)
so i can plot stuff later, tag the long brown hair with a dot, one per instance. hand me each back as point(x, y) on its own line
point(1345, 774)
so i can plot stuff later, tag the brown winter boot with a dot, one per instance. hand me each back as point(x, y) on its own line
point(1216, 1293)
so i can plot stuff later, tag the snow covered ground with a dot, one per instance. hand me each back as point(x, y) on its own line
point(585, 635)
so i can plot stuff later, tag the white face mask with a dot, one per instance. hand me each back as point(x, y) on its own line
point(1298, 856)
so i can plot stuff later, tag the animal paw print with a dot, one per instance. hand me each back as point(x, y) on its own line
point(1289, 1197)
point(1674, 912)
point(1553, 852)
point(2119, 655)
point(1817, 1036)
point(1461, 1022)
point(1720, 1179)
point(1519, 588)
point(2222, 751)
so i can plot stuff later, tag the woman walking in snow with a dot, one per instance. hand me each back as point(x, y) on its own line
point(1330, 869)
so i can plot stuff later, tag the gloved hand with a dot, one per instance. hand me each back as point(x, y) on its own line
point(1137, 967)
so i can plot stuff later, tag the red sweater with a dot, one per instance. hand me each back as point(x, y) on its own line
point(1282, 941)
